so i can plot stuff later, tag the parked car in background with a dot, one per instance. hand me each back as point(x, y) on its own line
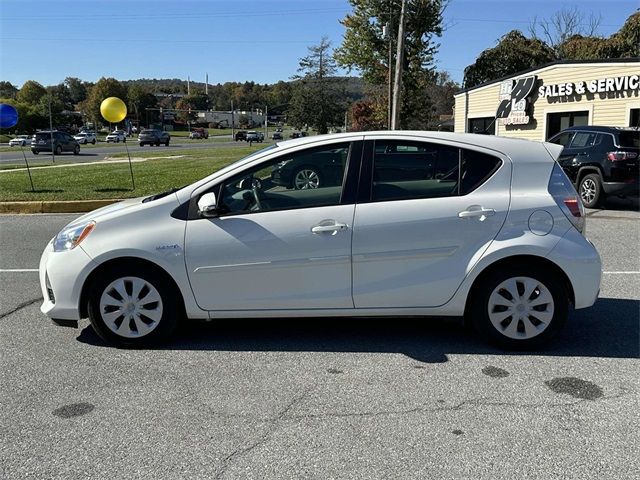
point(279, 129)
point(600, 161)
point(20, 141)
point(254, 136)
point(276, 136)
point(199, 133)
point(85, 137)
point(295, 135)
point(62, 142)
point(475, 226)
point(116, 136)
point(153, 136)
point(240, 135)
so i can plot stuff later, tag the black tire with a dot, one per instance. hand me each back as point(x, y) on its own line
point(58, 150)
point(157, 144)
point(590, 190)
point(166, 144)
point(118, 140)
point(141, 144)
point(171, 308)
point(76, 150)
point(478, 306)
point(35, 152)
point(93, 141)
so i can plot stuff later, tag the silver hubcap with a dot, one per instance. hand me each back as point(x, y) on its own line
point(588, 190)
point(131, 307)
point(521, 308)
point(306, 179)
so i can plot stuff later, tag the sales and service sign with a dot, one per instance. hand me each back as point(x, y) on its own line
point(601, 85)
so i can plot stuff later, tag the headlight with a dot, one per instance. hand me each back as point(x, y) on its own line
point(71, 237)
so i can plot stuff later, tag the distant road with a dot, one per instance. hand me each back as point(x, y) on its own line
point(97, 153)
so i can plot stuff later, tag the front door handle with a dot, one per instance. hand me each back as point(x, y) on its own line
point(477, 211)
point(328, 226)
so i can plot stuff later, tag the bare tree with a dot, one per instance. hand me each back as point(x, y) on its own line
point(564, 24)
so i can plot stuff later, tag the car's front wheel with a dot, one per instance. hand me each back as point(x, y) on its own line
point(519, 307)
point(133, 308)
point(76, 150)
point(590, 190)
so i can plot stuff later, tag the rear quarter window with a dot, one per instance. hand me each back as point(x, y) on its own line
point(477, 168)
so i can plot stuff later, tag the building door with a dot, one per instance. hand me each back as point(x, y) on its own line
point(557, 122)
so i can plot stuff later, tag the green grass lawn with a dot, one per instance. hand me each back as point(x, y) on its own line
point(104, 181)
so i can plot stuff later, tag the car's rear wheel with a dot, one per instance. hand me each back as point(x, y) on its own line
point(76, 150)
point(306, 178)
point(157, 144)
point(590, 190)
point(133, 307)
point(519, 307)
point(58, 150)
point(35, 152)
point(93, 141)
point(166, 144)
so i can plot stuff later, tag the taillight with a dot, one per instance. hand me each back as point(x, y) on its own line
point(619, 156)
point(562, 191)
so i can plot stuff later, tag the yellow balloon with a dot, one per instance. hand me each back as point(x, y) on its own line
point(113, 109)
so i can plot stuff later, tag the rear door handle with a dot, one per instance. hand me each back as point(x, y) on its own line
point(326, 227)
point(477, 211)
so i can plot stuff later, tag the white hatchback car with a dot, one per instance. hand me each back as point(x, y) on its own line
point(398, 223)
point(116, 136)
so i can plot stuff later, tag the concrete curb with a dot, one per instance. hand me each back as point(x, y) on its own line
point(73, 206)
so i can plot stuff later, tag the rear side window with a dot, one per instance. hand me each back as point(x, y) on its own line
point(583, 139)
point(629, 139)
point(412, 170)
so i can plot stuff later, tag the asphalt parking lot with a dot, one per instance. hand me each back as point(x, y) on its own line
point(407, 398)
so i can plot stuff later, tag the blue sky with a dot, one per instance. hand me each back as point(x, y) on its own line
point(231, 41)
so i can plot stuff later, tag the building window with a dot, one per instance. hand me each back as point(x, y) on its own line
point(634, 117)
point(484, 125)
point(556, 122)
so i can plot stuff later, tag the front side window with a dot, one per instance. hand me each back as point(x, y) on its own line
point(583, 139)
point(302, 179)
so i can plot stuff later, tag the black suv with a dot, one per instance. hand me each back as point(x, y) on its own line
point(600, 161)
point(152, 136)
point(62, 142)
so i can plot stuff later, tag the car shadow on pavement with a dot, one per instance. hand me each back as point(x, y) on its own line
point(610, 329)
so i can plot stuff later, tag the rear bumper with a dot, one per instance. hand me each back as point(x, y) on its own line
point(621, 188)
point(581, 262)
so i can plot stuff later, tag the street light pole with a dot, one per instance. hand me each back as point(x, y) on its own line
point(53, 153)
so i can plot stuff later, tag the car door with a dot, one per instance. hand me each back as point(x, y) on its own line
point(416, 234)
point(273, 248)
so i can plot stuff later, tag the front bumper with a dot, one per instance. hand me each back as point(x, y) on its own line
point(62, 276)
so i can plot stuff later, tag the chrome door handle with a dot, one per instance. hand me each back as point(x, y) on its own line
point(477, 211)
point(324, 228)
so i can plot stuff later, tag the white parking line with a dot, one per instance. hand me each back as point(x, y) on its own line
point(621, 273)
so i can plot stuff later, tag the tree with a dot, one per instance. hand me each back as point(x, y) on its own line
point(364, 116)
point(8, 90)
point(562, 25)
point(625, 43)
point(314, 101)
point(193, 102)
point(366, 49)
point(77, 89)
point(31, 92)
point(104, 88)
point(140, 98)
point(513, 53)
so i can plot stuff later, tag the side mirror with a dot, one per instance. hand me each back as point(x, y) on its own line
point(207, 205)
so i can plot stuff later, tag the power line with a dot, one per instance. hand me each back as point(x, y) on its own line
point(152, 40)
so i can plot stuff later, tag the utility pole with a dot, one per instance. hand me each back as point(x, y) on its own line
point(387, 36)
point(233, 134)
point(206, 84)
point(397, 86)
point(53, 152)
point(188, 86)
point(266, 122)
